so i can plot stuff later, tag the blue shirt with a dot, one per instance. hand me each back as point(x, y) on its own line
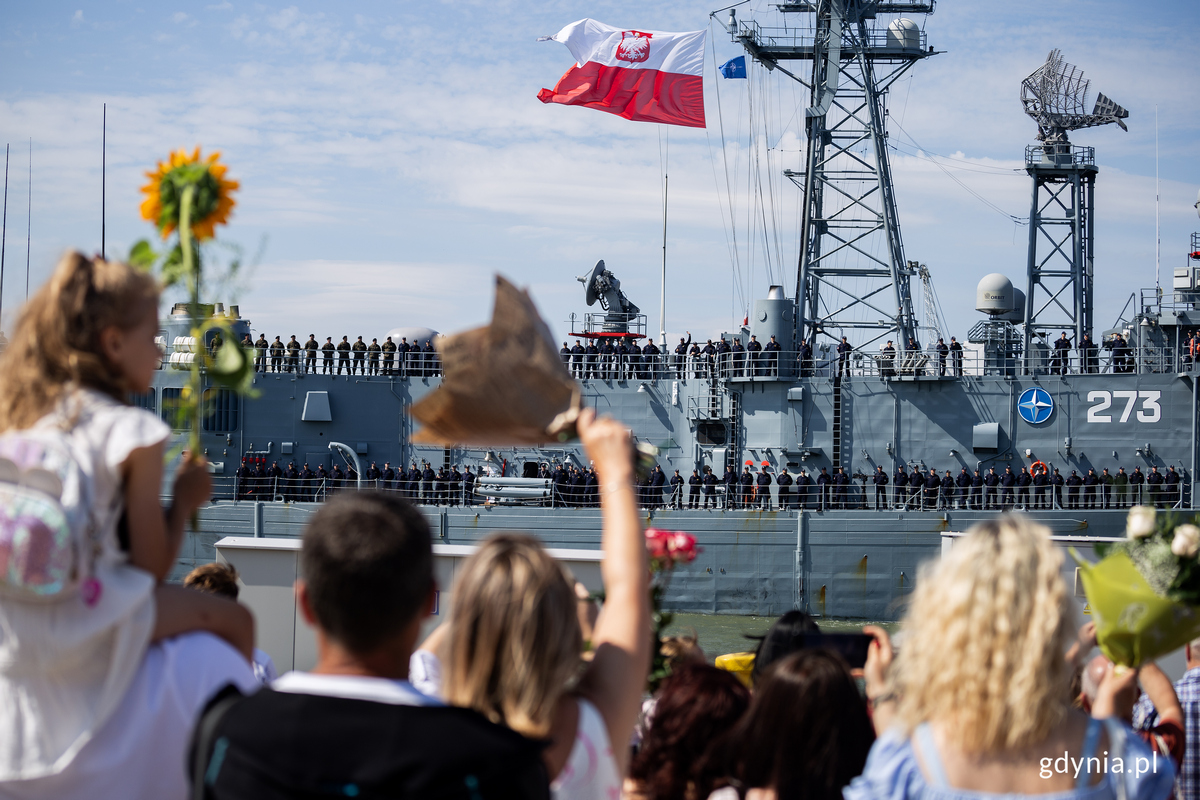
point(1145, 718)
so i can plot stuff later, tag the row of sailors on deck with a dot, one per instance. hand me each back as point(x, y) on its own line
point(626, 359)
point(389, 358)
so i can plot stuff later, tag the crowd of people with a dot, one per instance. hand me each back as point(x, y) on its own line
point(117, 684)
point(400, 359)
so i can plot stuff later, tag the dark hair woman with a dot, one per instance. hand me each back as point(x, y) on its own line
point(695, 707)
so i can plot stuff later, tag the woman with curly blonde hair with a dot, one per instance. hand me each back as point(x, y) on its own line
point(979, 696)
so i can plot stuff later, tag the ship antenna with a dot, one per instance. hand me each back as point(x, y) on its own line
point(1157, 236)
point(103, 165)
point(664, 155)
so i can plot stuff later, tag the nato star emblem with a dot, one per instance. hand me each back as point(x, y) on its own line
point(1035, 405)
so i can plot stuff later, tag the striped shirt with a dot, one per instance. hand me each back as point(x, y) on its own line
point(1145, 718)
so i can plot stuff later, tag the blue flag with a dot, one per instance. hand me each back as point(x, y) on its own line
point(734, 67)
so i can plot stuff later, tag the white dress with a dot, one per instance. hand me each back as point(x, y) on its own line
point(64, 666)
point(591, 770)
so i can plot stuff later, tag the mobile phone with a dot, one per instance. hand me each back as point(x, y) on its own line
point(850, 646)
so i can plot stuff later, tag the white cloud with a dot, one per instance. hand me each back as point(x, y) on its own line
point(77, 18)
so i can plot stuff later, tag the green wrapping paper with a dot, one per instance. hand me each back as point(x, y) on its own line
point(1133, 623)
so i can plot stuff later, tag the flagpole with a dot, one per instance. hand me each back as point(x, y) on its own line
point(662, 291)
point(103, 164)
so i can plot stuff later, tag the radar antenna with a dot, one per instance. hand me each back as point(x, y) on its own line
point(600, 284)
point(1055, 96)
point(1058, 294)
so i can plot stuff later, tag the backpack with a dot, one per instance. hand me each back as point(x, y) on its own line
point(49, 541)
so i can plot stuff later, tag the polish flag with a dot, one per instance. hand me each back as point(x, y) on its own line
point(646, 76)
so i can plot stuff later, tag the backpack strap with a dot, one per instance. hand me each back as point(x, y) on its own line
point(204, 758)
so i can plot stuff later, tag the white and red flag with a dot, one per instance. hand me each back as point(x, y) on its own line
point(647, 76)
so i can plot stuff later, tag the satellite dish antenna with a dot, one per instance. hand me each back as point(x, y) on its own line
point(1055, 96)
point(591, 291)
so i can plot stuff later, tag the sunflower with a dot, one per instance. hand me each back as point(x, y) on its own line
point(212, 199)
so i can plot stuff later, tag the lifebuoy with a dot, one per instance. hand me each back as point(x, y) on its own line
point(1033, 467)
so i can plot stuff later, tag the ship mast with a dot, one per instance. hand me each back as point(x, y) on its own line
point(852, 274)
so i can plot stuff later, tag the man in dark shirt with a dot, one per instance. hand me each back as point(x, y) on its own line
point(1057, 481)
point(843, 354)
point(1062, 350)
point(947, 499)
point(681, 350)
point(277, 350)
point(468, 487)
point(730, 479)
point(1090, 482)
point(1073, 484)
point(841, 488)
point(373, 352)
point(310, 354)
point(976, 501)
point(933, 486)
point(887, 360)
point(943, 351)
point(1136, 480)
point(676, 490)
point(964, 487)
point(1154, 482)
point(803, 490)
point(389, 356)
point(1024, 481)
point(710, 488)
point(990, 481)
point(916, 488)
point(260, 353)
point(824, 482)
point(881, 482)
point(427, 478)
point(900, 492)
point(1171, 489)
point(1008, 483)
point(694, 484)
point(763, 487)
point(804, 358)
point(753, 357)
point(738, 353)
point(355, 726)
point(956, 356)
point(784, 482)
point(565, 355)
point(746, 488)
point(359, 348)
point(771, 355)
point(293, 355)
point(591, 357)
point(577, 353)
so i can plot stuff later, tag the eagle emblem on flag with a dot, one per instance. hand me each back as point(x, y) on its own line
point(634, 46)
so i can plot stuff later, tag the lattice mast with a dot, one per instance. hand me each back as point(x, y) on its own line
point(1058, 294)
point(852, 274)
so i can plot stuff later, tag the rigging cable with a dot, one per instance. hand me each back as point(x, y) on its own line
point(731, 232)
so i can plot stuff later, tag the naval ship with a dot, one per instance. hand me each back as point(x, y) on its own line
point(888, 398)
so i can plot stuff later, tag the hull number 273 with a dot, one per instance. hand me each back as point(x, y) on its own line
point(1102, 401)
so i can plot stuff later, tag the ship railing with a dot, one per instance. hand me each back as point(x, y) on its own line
point(413, 364)
point(859, 494)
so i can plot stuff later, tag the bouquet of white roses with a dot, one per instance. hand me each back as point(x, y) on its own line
point(1145, 591)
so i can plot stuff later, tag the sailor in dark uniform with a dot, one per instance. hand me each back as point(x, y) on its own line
point(1008, 482)
point(402, 356)
point(1171, 489)
point(1154, 482)
point(621, 351)
point(710, 357)
point(887, 360)
point(881, 482)
point(763, 488)
point(771, 355)
point(964, 488)
point(456, 483)
point(427, 478)
point(991, 481)
point(843, 355)
point(1073, 484)
point(900, 488)
point(1024, 480)
point(753, 358)
point(291, 482)
point(1090, 482)
point(916, 488)
point(681, 351)
point(576, 359)
point(310, 354)
point(1136, 480)
point(650, 361)
point(371, 476)
point(607, 354)
point(336, 479)
point(1062, 349)
point(784, 482)
point(730, 479)
point(947, 499)
point(956, 357)
point(804, 490)
point(933, 487)
point(943, 352)
point(723, 358)
point(242, 479)
point(841, 488)
point(746, 488)
point(658, 480)
point(710, 488)
point(1041, 482)
point(677, 489)
point(635, 359)
point(824, 484)
point(591, 357)
point(737, 356)
point(1057, 481)
point(565, 355)
point(1106, 484)
point(1089, 354)
point(694, 359)
point(388, 477)
point(373, 351)
point(468, 487)
point(976, 491)
point(432, 368)
point(804, 358)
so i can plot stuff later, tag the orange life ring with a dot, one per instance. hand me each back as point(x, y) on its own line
point(1036, 464)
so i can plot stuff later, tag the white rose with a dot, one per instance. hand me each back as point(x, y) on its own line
point(1186, 542)
point(1140, 523)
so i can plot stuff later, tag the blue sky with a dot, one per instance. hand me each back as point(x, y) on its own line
point(394, 155)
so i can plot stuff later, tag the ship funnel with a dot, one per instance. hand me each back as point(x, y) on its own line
point(775, 293)
point(995, 295)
